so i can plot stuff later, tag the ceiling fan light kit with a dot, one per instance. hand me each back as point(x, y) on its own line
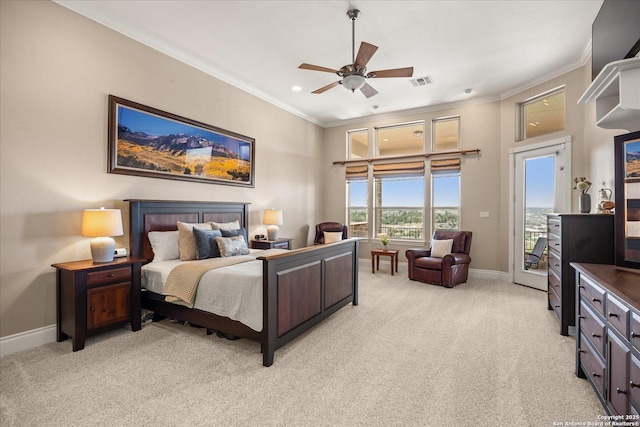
point(354, 75)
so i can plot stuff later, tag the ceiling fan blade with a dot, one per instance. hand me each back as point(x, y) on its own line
point(316, 68)
point(365, 53)
point(368, 91)
point(396, 72)
point(327, 87)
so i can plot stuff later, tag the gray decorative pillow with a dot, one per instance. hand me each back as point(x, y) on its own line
point(206, 245)
point(232, 246)
point(237, 232)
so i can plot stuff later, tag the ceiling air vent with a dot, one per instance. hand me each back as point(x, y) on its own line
point(422, 81)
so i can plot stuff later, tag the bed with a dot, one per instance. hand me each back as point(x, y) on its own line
point(300, 288)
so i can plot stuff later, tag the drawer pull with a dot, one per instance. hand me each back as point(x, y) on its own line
point(557, 244)
point(580, 287)
point(556, 306)
point(557, 265)
point(634, 335)
point(620, 391)
point(111, 275)
point(581, 317)
point(92, 309)
point(612, 314)
point(596, 335)
point(595, 300)
point(595, 375)
point(632, 384)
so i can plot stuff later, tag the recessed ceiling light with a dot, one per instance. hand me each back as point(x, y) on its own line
point(468, 91)
point(296, 88)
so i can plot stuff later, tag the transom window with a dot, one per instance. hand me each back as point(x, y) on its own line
point(446, 134)
point(399, 140)
point(542, 114)
point(358, 141)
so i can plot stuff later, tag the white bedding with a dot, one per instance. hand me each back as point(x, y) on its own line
point(234, 291)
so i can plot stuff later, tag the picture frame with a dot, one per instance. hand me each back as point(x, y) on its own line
point(627, 199)
point(145, 141)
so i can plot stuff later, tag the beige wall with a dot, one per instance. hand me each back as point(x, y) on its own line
point(58, 69)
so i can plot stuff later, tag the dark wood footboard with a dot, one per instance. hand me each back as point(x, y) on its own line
point(300, 288)
point(304, 287)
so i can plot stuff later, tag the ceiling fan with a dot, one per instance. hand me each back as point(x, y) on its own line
point(353, 75)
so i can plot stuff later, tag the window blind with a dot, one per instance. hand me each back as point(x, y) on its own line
point(356, 172)
point(398, 169)
point(445, 166)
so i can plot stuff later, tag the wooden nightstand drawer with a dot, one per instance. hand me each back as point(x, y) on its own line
point(108, 276)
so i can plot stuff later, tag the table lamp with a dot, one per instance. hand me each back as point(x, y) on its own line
point(272, 218)
point(102, 224)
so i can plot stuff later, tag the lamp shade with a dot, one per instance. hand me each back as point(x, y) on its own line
point(273, 218)
point(102, 224)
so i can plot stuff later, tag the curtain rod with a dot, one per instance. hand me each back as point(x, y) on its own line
point(410, 156)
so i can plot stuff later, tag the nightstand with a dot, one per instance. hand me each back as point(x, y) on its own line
point(94, 297)
point(282, 243)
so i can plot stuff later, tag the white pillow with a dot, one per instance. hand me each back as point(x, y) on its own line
point(440, 248)
point(187, 241)
point(164, 245)
point(332, 236)
point(233, 225)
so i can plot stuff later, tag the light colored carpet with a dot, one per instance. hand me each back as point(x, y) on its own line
point(485, 353)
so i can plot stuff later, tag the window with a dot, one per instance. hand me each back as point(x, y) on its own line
point(400, 139)
point(446, 134)
point(358, 143)
point(445, 204)
point(399, 200)
point(357, 199)
point(542, 114)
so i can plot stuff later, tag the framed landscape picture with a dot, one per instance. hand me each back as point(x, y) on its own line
point(148, 142)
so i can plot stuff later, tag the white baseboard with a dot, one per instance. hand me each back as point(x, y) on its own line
point(47, 334)
point(27, 340)
point(490, 275)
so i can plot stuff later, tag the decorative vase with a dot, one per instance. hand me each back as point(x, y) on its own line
point(385, 247)
point(584, 203)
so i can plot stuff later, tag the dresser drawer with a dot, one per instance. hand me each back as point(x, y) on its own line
point(554, 262)
point(592, 294)
point(553, 225)
point(618, 316)
point(554, 301)
point(592, 327)
point(634, 380)
point(635, 331)
point(554, 281)
point(592, 365)
point(107, 276)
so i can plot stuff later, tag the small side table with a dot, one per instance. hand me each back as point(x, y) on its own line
point(282, 243)
point(375, 259)
point(93, 297)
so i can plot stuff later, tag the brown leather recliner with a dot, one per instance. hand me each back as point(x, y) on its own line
point(448, 271)
point(329, 226)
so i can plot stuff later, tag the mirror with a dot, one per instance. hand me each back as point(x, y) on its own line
point(627, 210)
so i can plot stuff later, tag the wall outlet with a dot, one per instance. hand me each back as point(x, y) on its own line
point(484, 214)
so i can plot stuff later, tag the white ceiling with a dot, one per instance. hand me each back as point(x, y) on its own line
point(496, 48)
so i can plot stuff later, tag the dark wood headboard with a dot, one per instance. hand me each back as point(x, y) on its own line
point(163, 215)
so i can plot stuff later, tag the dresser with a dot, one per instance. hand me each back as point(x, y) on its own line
point(608, 340)
point(574, 238)
point(94, 297)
